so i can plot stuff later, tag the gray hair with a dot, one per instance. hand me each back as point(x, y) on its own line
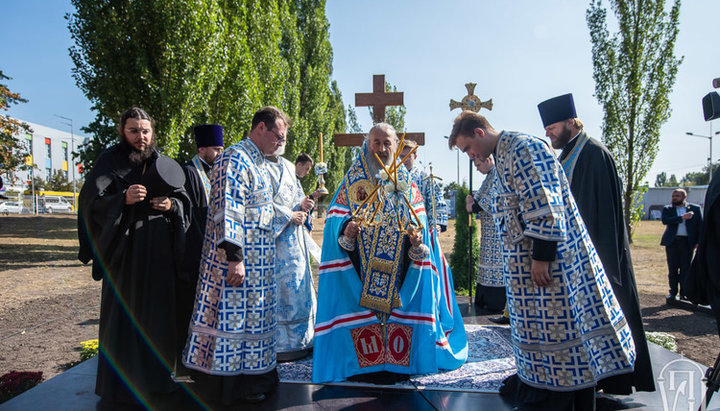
point(385, 128)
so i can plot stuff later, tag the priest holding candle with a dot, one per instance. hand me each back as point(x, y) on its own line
point(384, 310)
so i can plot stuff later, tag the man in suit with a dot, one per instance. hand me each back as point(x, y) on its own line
point(682, 221)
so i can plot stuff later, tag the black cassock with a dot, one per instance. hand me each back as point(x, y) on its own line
point(193, 249)
point(136, 251)
point(704, 280)
point(597, 191)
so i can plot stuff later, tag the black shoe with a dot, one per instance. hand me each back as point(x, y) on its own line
point(254, 398)
point(672, 297)
point(684, 298)
point(500, 320)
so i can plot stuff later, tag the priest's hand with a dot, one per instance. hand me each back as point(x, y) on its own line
point(298, 217)
point(469, 201)
point(161, 203)
point(135, 194)
point(540, 273)
point(307, 204)
point(235, 273)
point(415, 238)
point(317, 194)
point(351, 230)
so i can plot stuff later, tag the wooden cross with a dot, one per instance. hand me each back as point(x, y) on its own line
point(378, 100)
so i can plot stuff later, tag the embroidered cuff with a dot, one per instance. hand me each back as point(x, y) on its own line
point(419, 253)
point(348, 244)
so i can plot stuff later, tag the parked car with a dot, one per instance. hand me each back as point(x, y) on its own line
point(13, 207)
point(55, 204)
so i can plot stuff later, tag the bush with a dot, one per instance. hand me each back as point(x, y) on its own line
point(88, 349)
point(15, 383)
point(662, 339)
point(459, 258)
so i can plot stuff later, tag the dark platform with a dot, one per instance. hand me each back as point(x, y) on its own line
point(74, 390)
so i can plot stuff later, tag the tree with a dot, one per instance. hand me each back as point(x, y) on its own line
point(634, 71)
point(12, 149)
point(661, 179)
point(58, 182)
point(463, 233)
point(150, 54)
point(225, 60)
point(698, 178)
point(452, 186)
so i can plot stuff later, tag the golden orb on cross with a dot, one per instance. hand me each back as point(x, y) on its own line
point(471, 101)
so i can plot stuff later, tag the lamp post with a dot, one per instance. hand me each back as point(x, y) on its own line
point(72, 161)
point(710, 137)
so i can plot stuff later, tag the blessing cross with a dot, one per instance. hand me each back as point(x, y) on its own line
point(378, 100)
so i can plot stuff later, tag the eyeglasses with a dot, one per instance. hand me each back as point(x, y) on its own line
point(280, 138)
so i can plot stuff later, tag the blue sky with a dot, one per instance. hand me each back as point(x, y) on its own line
point(518, 52)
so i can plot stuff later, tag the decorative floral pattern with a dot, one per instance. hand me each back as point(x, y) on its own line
point(489, 362)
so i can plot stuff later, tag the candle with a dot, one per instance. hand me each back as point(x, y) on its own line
point(321, 156)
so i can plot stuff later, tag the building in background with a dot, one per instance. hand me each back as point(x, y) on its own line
point(50, 149)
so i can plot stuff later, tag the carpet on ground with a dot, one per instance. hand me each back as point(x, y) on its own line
point(490, 360)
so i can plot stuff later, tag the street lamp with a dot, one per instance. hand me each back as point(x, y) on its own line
point(710, 137)
point(72, 160)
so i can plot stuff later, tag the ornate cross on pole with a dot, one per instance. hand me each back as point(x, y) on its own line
point(379, 99)
point(470, 102)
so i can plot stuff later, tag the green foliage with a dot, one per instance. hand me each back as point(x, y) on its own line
point(104, 134)
point(661, 180)
point(665, 340)
point(12, 150)
point(634, 71)
point(58, 182)
point(699, 178)
point(149, 54)
point(88, 349)
point(39, 183)
point(209, 61)
point(452, 186)
point(463, 233)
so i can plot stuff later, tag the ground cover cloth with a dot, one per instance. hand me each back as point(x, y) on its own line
point(490, 360)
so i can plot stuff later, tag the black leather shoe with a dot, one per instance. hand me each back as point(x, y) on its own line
point(254, 398)
point(671, 297)
point(500, 320)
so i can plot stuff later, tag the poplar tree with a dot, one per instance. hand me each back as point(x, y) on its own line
point(225, 60)
point(634, 71)
point(166, 57)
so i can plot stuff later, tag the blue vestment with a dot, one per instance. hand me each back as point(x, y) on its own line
point(293, 269)
point(233, 329)
point(572, 333)
point(381, 318)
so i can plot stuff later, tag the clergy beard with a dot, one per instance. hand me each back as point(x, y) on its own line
point(563, 139)
point(138, 157)
point(373, 166)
